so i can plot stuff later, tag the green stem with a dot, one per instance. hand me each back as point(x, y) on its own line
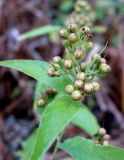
point(56, 147)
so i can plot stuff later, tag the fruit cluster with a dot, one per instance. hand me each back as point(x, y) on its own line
point(82, 14)
point(102, 137)
point(77, 43)
point(46, 96)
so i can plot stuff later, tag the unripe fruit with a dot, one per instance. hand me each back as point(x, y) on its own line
point(102, 131)
point(56, 74)
point(78, 84)
point(88, 88)
point(69, 89)
point(51, 72)
point(68, 64)
point(83, 66)
point(40, 102)
point(76, 95)
point(105, 68)
point(96, 57)
point(57, 59)
point(73, 37)
point(102, 60)
point(78, 54)
point(72, 27)
point(106, 143)
point(107, 137)
point(96, 86)
point(86, 29)
point(81, 76)
point(55, 65)
point(50, 91)
point(89, 46)
point(63, 34)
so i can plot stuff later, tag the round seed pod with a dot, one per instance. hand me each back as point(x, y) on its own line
point(86, 29)
point(96, 57)
point(96, 86)
point(102, 131)
point(103, 60)
point(76, 95)
point(69, 89)
point(40, 102)
point(56, 74)
point(78, 84)
point(73, 38)
point(72, 27)
point(50, 91)
point(104, 68)
point(83, 66)
point(78, 54)
point(80, 76)
point(107, 137)
point(55, 65)
point(90, 46)
point(51, 72)
point(106, 143)
point(88, 88)
point(63, 33)
point(56, 59)
point(68, 64)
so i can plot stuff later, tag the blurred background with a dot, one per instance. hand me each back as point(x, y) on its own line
point(17, 118)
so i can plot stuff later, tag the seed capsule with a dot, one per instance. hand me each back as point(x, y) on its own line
point(73, 37)
point(40, 102)
point(96, 57)
point(76, 95)
point(105, 68)
point(78, 84)
point(72, 28)
point(55, 65)
point(83, 66)
point(50, 91)
point(56, 74)
point(88, 88)
point(81, 76)
point(96, 86)
point(107, 137)
point(86, 29)
point(102, 131)
point(78, 54)
point(106, 143)
point(68, 64)
point(69, 89)
point(90, 46)
point(57, 59)
point(51, 72)
point(63, 34)
point(102, 60)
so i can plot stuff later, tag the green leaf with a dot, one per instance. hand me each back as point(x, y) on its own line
point(59, 83)
point(38, 70)
point(84, 149)
point(55, 118)
point(39, 31)
point(86, 121)
point(33, 68)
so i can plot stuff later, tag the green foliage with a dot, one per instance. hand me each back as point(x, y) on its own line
point(54, 119)
point(39, 32)
point(86, 121)
point(36, 69)
point(82, 149)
